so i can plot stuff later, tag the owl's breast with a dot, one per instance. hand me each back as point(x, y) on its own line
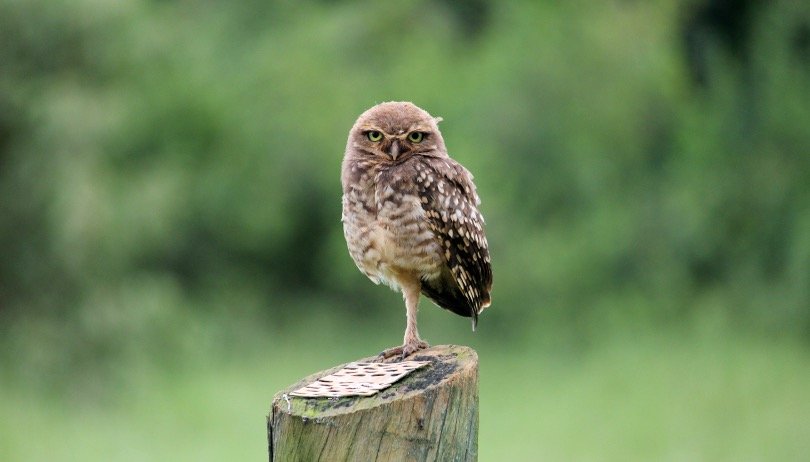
point(387, 233)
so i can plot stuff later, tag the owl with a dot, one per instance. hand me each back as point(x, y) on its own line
point(410, 216)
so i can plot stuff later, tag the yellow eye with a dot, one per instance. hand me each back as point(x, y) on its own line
point(416, 137)
point(374, 135)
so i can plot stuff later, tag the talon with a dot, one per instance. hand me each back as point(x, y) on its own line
point(402, 352)
point(391, 353)
point(411, 348)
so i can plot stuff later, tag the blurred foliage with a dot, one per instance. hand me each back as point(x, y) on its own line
point(164, 164)
point(650, 397)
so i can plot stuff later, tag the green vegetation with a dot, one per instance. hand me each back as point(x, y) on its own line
point(693, 396)
point(172, 252)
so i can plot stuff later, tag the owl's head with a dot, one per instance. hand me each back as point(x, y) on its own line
point(394, 131)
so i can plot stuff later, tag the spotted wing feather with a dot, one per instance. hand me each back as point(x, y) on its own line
point(448, 197)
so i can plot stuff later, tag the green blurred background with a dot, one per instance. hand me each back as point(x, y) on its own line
point(172, 253)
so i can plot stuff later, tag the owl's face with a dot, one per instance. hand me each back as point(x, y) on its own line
point(395, 131)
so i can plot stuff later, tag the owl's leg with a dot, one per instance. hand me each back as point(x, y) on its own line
point(412, 343)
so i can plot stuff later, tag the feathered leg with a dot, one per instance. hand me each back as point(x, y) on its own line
point(411, 291)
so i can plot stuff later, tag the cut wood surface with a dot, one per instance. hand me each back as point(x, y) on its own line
point(430, 415)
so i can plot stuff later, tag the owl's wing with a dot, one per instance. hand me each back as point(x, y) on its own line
point(450, 202)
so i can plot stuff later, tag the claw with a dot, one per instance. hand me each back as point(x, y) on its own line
point(403, 351)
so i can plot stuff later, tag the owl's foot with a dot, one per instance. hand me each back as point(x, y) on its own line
point(402, 352)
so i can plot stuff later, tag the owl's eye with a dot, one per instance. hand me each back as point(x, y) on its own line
point(416, 137)
point(374, 135)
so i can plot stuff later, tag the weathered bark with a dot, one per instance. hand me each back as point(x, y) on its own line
point(432, 414)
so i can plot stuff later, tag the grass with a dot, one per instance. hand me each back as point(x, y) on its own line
point(665, 399)
point(663, 396)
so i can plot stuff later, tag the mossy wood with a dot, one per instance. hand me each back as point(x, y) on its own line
point(430, 415)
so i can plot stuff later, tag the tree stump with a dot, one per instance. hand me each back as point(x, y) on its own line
point(429, 415)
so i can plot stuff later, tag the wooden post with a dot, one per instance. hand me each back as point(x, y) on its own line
point(430, 415)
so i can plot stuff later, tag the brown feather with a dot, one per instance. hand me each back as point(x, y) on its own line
point(448, 196)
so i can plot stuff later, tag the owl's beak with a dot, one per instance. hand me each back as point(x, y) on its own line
point(393, 151)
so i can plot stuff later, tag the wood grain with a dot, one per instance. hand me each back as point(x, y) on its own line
point(429, 415)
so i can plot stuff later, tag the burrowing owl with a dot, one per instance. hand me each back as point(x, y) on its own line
point(410, 215)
